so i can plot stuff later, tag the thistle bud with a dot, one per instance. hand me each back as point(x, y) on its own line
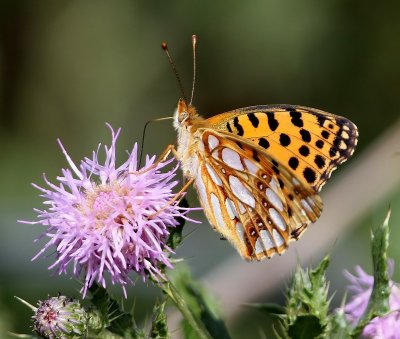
point(60, 317)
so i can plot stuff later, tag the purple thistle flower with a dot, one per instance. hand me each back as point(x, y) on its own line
point(59, 317)
point(102, 218)
point(361, 288)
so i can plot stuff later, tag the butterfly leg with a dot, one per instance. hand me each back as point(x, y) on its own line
point(164, 155)
point(178, 196)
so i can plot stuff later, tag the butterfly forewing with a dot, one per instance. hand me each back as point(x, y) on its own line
point(249, 197)
point(258, 170)
point(309, 142)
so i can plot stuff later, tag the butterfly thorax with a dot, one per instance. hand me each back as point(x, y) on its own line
point(186, 122)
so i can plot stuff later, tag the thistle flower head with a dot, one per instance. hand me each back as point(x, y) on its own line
point(103, 218)
point(59, 317)
point(361, 289)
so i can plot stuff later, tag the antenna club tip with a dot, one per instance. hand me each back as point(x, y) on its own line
point(164, 46)
point(194, 38)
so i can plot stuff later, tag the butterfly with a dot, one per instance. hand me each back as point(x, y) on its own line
point(258, 170)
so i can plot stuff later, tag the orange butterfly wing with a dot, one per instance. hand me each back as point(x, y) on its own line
point(310, 142)
point(260, 169)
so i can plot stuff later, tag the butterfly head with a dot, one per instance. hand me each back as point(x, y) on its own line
point(184, 114)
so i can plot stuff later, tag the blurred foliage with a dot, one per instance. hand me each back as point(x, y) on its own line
point(67, 67)
point(202, 305)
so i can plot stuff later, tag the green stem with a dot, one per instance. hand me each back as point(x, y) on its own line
point(181, 304)
point(378, 304)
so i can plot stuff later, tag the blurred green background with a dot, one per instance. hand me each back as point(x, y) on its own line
point(67, 67)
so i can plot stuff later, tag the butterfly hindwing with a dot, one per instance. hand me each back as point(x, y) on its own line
point(309, 142)
point(252, 199)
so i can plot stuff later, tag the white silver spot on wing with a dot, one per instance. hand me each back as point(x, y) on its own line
point(215, 154)
point(306, 206)
point(264, 242)
point(201, 188)
point(241, 192)
point(295, 182)
point(230, 207)
point(310, 201)
point(201, 146)
point(217, 210)
point(240, 232)
point(242, 209)
point(277, 219)
point(251, 167)
point(267, 240)
point(274, 199)
point(279, 241)
point(232, 159)
point(274, 185)
point(213, 175)
point(212, 142)
point(259, 246)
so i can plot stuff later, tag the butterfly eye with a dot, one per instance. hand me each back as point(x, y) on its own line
point(183, 116)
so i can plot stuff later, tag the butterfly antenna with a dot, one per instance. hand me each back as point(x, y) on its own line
point(194, 41)
point(144, 134)
point(164, 46)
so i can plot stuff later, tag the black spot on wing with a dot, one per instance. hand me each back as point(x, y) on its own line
point(305, 135)
point(240, 145)
point(319, 144)
point(293, 162)
point(238, 126)
point(272, 122)
point(325, 134)
point(275, 166)
point(253, 119)
point(333, 151)
point(321, 119)
point(319, 161)
point(263, 143)
point(284, 139)
point(296, 117)
point(309, 175)
point(255, 156)
point(304, 150)
point(228, 126)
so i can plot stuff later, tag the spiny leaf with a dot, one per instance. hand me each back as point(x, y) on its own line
point(159, 328)
point(115, 321)
point(339, 325)
point(270, 309)
point(202, 305)
point(308, 304)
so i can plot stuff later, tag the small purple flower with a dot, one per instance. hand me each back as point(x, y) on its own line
point(361, 288)
point(60, 317)
point(102, 218)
